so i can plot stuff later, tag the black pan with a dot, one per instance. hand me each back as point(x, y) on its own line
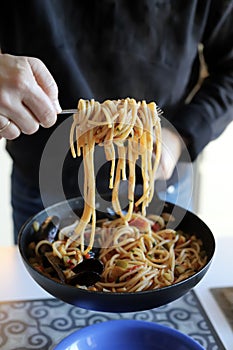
point(118, 302)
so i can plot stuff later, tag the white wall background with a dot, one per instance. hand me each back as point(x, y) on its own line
point(215, 190)
point(6, 227)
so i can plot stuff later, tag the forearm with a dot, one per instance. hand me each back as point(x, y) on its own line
point(211, 108)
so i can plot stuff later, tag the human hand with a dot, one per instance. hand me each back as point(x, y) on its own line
point(28, 96)
point(172, 146)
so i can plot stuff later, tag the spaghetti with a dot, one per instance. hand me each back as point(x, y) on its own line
point(138, 251)
point(138, 255)
point(133, 127)
point(146, 255)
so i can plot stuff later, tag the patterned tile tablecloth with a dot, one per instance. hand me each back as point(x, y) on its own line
point(41, 324)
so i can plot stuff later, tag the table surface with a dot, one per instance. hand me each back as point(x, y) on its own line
point(197, 313)
point(43, 323)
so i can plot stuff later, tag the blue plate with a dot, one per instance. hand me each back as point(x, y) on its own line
point(128, 335)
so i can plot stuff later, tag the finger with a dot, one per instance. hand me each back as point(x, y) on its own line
point(39, 104)
point(159, 174)
point(33, 95)
point(166, 166)
point(43, 97)
point(46, 81)
point(21, 117)
point(10, 131)
point(3, 123)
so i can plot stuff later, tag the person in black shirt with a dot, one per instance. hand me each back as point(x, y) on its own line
point(55, 52)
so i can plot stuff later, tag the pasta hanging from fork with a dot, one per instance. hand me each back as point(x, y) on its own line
point(132, 128)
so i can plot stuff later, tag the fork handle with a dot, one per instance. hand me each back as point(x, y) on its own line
point(68, 111)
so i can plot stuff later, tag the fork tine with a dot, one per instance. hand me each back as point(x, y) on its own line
point(159, 111)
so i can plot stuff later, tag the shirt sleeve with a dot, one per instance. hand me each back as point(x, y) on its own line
point(211, 109)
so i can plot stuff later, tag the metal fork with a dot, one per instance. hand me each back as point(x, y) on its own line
point(68, 111)
point(73, 111)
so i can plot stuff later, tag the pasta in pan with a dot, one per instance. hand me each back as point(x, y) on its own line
point(137, 251)
point(138, 255)
point(146, 255)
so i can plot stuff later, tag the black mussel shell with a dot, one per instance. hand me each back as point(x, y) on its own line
point(55, 262)
point(89, 265)
point(49, 229)
point(87, 272)
point(44, 248)
point(84, 278)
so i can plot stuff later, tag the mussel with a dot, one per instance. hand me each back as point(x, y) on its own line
point(49, 229)
point(91, 264)
point(85, 278)
point(55, 262)
point(87, 273)
point(43, 247)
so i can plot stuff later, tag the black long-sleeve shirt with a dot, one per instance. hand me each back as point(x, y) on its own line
point(113, 49)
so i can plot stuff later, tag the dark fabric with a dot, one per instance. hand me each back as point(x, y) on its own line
point(114, 49)
point(25, 201)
